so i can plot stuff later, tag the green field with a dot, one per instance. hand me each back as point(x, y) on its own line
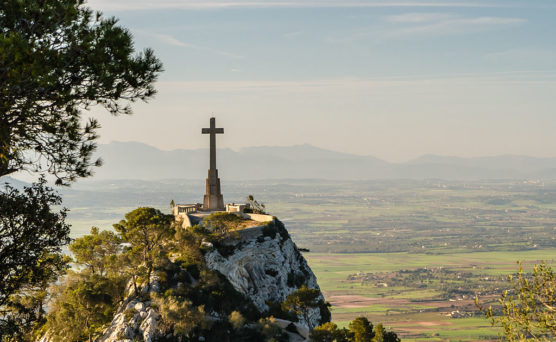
point(416, 314)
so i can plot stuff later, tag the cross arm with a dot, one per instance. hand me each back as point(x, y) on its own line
point(215, 131)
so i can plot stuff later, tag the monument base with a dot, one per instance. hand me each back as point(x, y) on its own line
point(213, 202)
point(213, 199)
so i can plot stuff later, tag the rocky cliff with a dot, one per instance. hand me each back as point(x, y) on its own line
point(262, 264)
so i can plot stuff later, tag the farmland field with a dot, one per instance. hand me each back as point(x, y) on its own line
point(417, 314)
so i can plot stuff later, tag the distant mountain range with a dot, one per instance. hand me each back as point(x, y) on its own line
point(132, 160)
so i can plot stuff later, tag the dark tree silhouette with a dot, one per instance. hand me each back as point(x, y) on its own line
point(29, 231)
point(57, 57)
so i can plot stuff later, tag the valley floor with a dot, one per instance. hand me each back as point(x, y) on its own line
point(355, 285)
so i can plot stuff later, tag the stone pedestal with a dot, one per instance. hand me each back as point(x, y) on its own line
point(213, 199)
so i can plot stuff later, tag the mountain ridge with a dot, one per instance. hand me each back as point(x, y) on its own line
point(140, 161)
point(135, 160)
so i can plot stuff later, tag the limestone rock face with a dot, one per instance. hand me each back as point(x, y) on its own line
point(134, 320)
point(265, 265)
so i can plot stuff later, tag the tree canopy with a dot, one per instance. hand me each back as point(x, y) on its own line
point(97, 251)
point(381, 335)
point(29, 231)
point(58, 57)
point(528, 308)
point(329, 332)
point(145, 229)
point(361, 329)
point(302, 301)
point(84, 304)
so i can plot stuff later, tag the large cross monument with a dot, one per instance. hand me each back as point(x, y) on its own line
point(213, 197)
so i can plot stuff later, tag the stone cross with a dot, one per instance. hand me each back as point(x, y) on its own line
point(213, 131)
point(213, 199)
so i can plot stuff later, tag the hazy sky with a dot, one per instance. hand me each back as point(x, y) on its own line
point(393, 79)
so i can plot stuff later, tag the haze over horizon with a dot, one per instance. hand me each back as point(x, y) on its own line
point(243, 148)
point(394, 80)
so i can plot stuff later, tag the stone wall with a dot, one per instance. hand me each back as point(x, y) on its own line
point(259, 217)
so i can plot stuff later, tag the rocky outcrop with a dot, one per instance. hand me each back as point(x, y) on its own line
point(133, 321)
point(264, 264)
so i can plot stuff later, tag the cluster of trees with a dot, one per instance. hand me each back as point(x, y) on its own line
point(57, 58)
point(30, 235)
point(85, 299)
point(359, 330)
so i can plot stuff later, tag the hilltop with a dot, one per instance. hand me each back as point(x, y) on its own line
point(228, 279)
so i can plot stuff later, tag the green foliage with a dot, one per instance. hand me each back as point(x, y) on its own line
point(529, 307)
point(217, 294)
point(199, 230)
point(145, 229)
point(24, 312)
point(29, 231)
point(361, 329)
point(130, 313)
point(97, 251)
point(193, 302)
point(208, 292)
point(381, 335)
point(329, 332)
point(82, 304)
point(84, 301)
point(221, 224)
point(31, 235)
point(179, 316)
point(186, 245)
point(302, 301)
point(62, 58)
point(278, 310)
